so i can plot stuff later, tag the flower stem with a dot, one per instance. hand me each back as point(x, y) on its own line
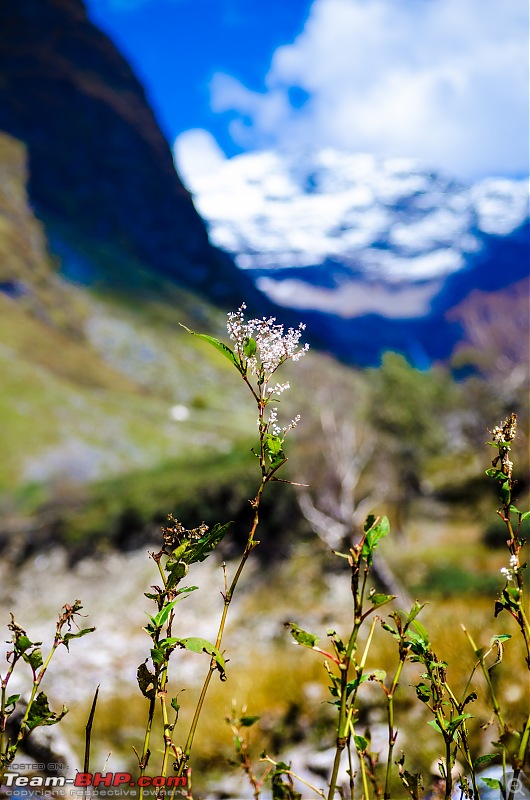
point(250, 545)
point(392, 734)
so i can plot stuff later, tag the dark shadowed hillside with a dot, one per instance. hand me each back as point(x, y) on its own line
point(98, 161)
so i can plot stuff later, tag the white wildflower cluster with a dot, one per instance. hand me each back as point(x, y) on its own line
point(497, 434)
point(273, 427)
point(293, 423)
point(261, 346)
point(272, 424)
point(505, 432)
point(279, 388)
point(510, 571)
point(273, 344)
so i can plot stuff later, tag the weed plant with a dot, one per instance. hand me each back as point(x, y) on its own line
point(259, 348)
point(37, 712)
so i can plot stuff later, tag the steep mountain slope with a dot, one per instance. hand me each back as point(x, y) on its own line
point(373, 252)
point(95, 385)
point(27, 271)
point(99, 382)
point(98, 161)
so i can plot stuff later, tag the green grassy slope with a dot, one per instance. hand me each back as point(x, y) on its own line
point(102, 381)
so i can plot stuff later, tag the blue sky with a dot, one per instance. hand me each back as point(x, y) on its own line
point(444, 81)
point(177, 47)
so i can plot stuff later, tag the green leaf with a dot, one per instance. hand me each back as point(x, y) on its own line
point(514, 595)
point(423, 693)
point(179, 551)
point(164, 644)
point(39, 713)
point(526, 515)
point(273, 449)
point(360, 743)
point(418, 645)
point(414, 611)
point(421, 631)
point(379, 529)
point(177, 570)
point(456, 722)
point(250, 347)
point(283, 790)
point(412, 781)
point(198, 645)
point(157, 655)
point(186, 590)
point(510, 740)
point(229, 354)
point(302, 637)
point(350, 686)
point(500, 637)
point(434, 724)
point(174, 704)
point(247, 722)
point(11, 702)
point(34, 659)
point(202, 548)
point(278, 460)
point(505, 491)
point(13, 698)
point(22, 643)
point(164, 613)
point(390, 629)
point(337, 641)
point(498, 474)
point(378, 599)
point(273, 443)
point(484, 759)
point(378, 675)
point(493, 783)
point(69, 636)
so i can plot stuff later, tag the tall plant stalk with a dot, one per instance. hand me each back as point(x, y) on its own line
point(260, 348)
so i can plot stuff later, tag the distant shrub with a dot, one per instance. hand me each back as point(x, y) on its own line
point(447, 580)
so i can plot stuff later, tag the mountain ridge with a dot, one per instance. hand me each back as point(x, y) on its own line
point(103, 181)
point(362, 244)
point(98, 160)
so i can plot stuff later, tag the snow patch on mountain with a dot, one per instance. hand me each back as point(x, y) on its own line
point(362, 234)
point(354, 298)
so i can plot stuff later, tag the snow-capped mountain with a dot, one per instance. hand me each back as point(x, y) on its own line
point(349, 236)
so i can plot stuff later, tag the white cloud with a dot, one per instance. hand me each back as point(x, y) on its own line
point(268, 113)
point(445, 81)
point(197, 154)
